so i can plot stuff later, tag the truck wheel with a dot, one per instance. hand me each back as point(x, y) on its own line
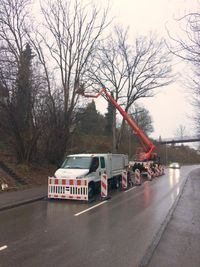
point(91, 190)
point(117, 183)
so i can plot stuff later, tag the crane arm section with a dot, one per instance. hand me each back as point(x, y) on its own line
point(130, 121)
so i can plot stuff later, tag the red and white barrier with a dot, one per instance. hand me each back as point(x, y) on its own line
point(149, 174)
point(104, 186)
point(162, 170)
point(137, 177)
point(68, 188)
point(124, 180)
point(157, 172)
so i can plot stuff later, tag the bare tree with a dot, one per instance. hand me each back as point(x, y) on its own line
point(12, 30)
point(132, 71)
point(186, 46)
point(142, 117)
point(16, 77)
point(72, 31)
point(180, 132)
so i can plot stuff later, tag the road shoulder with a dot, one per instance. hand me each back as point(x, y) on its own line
point(179, 245)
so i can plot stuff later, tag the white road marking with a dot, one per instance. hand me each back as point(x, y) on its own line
point(93, 207)
point(2, 248)
point(130, 189)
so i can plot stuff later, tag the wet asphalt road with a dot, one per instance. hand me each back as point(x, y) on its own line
point(117, 233)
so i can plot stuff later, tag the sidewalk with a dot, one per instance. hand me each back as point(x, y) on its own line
point(17, 198)
point(179, 245)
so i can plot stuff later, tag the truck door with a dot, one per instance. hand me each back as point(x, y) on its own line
point(95, 167)
point(98, 166)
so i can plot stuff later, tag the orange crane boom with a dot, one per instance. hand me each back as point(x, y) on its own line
point(148, 154)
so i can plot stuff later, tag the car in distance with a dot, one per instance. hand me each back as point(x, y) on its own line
point(175, 165)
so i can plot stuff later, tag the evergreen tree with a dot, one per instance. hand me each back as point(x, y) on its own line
point(91, 121)
point(24, 90)
point(24, 125)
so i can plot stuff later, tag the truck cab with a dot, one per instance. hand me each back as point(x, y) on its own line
point(82, 165)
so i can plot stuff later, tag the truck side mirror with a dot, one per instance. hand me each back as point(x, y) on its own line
point(94, 165)
point(93, 169)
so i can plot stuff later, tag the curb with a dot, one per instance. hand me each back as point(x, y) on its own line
point(21, 203)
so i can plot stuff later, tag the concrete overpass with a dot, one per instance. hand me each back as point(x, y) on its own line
point(178, 140)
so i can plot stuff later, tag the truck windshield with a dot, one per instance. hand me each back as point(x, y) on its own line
point(77, 163)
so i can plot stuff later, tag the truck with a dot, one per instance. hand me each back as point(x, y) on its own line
point(91, 167)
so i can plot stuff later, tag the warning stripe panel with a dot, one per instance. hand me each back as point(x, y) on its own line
point(124, 180)
point(68, 197)
point(63, 182)
point(104, 185)
point(66, 181)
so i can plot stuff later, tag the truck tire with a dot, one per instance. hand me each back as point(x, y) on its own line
point(91, 190)
point(117, 182)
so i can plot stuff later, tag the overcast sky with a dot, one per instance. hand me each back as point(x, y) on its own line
point(170, 108)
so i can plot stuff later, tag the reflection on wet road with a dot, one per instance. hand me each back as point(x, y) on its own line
point(147, 193)
point(116, 233)
point(174, 177)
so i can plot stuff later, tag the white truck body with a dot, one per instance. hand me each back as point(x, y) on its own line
point(80, 165)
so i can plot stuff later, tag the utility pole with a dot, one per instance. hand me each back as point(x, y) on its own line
point(114, 149)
